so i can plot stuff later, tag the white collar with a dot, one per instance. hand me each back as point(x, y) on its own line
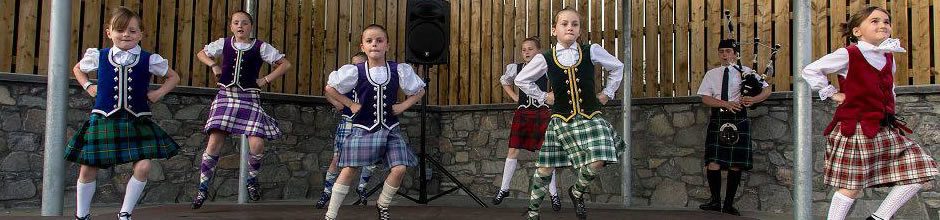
point(559, 47)
point(890, 45)
point(135, 50)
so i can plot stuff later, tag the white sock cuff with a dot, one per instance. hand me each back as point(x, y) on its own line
point(839, 196)
point(340, 188)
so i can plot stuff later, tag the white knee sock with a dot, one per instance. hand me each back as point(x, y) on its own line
point(84, 192)
point(552, 187)
point(839, 206)
point(508, 169)
point(132, 194)
point(385, 199)
point(336, 200)
point(896, 198)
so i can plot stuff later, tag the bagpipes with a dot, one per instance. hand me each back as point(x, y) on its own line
point(751, 84)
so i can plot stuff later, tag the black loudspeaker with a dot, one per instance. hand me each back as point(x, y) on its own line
point(427, 31)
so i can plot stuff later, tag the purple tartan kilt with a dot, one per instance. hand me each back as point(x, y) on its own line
point(237, 111)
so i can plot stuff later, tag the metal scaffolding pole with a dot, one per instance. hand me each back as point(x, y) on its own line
point(250, 7)
point(803, 104)
point(53, 171)
point(626, 174)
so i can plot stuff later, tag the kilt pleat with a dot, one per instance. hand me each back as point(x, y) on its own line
point(342, 130)
point(364, 148)
point(579, 142)
point(121, 138)
point(888, 159)
point(528, 128)
point(237, 111)
point(738, 155)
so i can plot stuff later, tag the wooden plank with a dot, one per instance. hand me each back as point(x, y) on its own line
point(475, 33)
point(713, 33)
point(936, 41)
point(732, 6)
point(453, 79)
point(265, 20)
point(392, 27)
point(509, 43)
point(43, 58)
point(697, 46)
point(666, 52)
point(318, 32)
point(278, 38)
point(486, 49)
point(920, 35)
point(682, 48)
point(583, 8)
point(652, 57)
point(546, 17)
point(368, 12)
point(7, 18)
point(356, 25)
point(837, 16)
point(820, 46)
point(292, 46)
point(520, 31)
point(595, 21)
point(74, 50)
point(305, 73)
point(610, 28)
point(402, 4)
point(638, 46)
point(746, 32)
point(764, 31)
point(331, 42)
point(150, 20)
point(201, 74)
point(532, 19)
point(782, 66)
point(217, 29)
point(856, 5)
point(496, 93)
point(899, 18)
point(381, 11)
point(167, 41)
point(133, 5)
point(26, 38)
point(464, 92)
point(184, 30)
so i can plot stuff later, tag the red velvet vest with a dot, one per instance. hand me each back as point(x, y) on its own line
point(868, 95)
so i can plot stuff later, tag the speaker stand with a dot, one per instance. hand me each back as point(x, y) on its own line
point(423, 159)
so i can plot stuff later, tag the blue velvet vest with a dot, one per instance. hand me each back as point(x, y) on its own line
point(240, 67)
point(122, 86)
point(376, 99)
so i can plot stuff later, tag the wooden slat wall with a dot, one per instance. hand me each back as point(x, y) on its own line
point(319, 36)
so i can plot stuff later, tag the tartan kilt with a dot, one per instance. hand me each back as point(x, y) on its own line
point(579, 142)
point(365, 148)
point(238, 111)
point(888, 159)
point(528, 128)
point(121, 138)
point(739, 154)
point(342, 130)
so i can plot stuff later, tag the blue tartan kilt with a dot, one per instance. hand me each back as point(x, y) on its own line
point(117, 139)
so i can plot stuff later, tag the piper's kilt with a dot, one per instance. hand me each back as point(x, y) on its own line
point(342, 130)
point(364, 148)
point(121, 138)
point(238, 111)
point(528, 128)
point(579, 142)
point(888, 159)
point(738, 154)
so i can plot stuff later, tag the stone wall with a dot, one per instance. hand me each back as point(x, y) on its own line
point(668, 138)
point(668, 134)
point(292, 167)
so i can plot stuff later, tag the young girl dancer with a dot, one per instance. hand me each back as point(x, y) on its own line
point(375, 135)
point(576, 136)
point(237, 107)
point(866, 146)
point(528, 123)
point(120, 130)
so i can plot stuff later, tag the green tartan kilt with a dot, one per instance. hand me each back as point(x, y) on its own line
point(117, 139)
point(579, 142)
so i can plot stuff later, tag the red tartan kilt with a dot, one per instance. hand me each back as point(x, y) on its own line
point(528, 128)
point(888, 159)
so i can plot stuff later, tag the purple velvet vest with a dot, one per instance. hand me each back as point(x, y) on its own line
point(241, 67)
point(376, 99)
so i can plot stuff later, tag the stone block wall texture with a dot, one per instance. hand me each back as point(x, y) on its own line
point(470, 141)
